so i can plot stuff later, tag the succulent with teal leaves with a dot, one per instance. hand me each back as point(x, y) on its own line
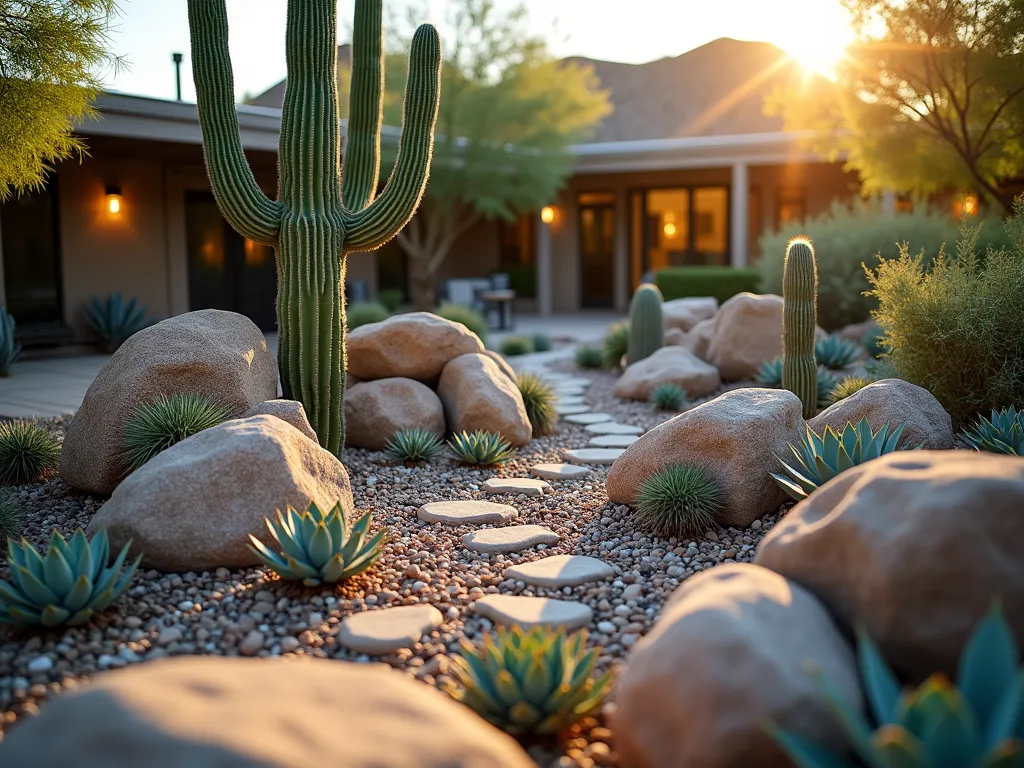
point(414, 445)
point(819, 458)
point(978, 722)
point(668, 396)
point(479, 448)
point(799, 321)
point(836, 353)
point(541, 342)
point(10, 350)
point(537, 681)
point(1002, 433)
point(317, 547)
point(67, 585)
point(646, 327)
point(114, 320)
point(770, 375)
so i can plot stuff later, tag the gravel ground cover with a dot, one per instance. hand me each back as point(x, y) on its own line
point(252, 613)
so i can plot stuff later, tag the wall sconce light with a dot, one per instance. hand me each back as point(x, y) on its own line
point(547, 214)
point(670, 229)
point(113, 199)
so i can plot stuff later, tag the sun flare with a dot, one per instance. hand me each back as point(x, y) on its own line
point(817, 41)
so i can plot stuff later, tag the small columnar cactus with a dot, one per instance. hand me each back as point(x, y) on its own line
point(799, 319)
point(646, 329)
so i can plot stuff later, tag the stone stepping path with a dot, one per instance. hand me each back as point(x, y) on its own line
point(570, 400)
point(575, 381)
point(514, 538)
point(466, 513)
point(613, 428)
point(559, 471)
point(534, 611)
point(571, 410)
point(524, 486)
point(598, 456)
point(588, 418)
point(560, 571)
point(561, 390)
point(388, 629)
point(612, 441)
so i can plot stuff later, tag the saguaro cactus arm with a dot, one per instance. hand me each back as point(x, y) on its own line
point(382, 219)
point(366, 108)
point(242, 202)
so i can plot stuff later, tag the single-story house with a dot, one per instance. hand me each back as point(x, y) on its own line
point(686, 170)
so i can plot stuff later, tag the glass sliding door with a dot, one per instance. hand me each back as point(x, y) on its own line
point(596, 212)
point(31, 257)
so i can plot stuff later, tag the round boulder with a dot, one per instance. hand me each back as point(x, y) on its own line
point(289, 411)
point(668, 365)
point(728, 655)
point(914, 546)
point(894, 402)
point(416, 345)
point(209, 712)
point(376, 410)
point(674, 337)
point(686, 313)
point(193, 506)
point(477, 395)
point(698, 338)
point(209, 352)
point(737, 437)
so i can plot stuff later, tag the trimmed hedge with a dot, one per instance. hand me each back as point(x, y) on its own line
point(721, 282)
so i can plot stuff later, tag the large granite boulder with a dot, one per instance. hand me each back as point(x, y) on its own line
point(209, 352)
point(698, 338)
point(914, 546)
point(894, 402)
point(289, 411)
point(729, 654)
point(193, 506)
point(477, 395)
point(376, 410)
point(417, 346)
point(668, 365)
point(209, 712)
point(736, 437)
point(686, 313)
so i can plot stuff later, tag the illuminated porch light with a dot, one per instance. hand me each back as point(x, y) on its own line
point(669, 229)
point(113, 194)
point(547, 214)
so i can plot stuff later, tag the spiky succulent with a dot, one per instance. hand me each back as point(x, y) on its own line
point(169, 419)
point(539, 399)
point(114, 320)
point(616, 344)
point(11, 517)
point(836, 353)
point(1003, 433)
point(318, 548)
point(680, 501)
point(480, 448)
point(541, 342)
point(529, 681)
point(849, 386)
point(414, 445)
point(589, 357)
point(68, 585)
point(976, 723)
point(770, 375)
point(821, 457)
point(513, 346)
point(668, 397)
point(826, 386)
point(28, 452)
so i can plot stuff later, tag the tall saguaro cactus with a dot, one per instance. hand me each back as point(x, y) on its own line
point(320, 215)
point(799, 319)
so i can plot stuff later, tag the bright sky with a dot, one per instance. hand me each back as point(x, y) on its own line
point(812, 31)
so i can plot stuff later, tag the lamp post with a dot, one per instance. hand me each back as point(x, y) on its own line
point(176, 58)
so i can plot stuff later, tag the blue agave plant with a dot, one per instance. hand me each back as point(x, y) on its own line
point(976, 723)
point(1003, 433)
point(114, 320)
point(9, 349)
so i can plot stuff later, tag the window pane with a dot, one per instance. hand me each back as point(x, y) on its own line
point(207, 272)
point(711, 233)
point(29, 228)
point(668, 227)
point(596, 198)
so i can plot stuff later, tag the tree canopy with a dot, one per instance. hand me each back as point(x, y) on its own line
point(929, 99)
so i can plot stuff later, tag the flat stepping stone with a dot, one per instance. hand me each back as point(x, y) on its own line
point(514, 538)
point(612, 441)
point(571, 410)
point(534, 611)
point(588, 418)
point(525, 486)
point(598, 456)
point(613, 428)
point(466, 513)
point(559, 471)
point(388, 629)
point(568, 391)
point(570, 400)
point(560, 571)
point(576, 381)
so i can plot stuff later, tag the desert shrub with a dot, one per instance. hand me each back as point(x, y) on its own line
point(11, 518)
point(541, 342)
point(468, 316)
point(513, 346)
point(956, 327)
point(721, 282)
point(539, 399)
point(589, 357)
point(668, 397)
point(845, 238)
point(391, 298)
point(678, 501)
point(849, 386)
point(414, 445)
point(616, 344)
point(365, 313)
point(28, 452)
point(481, 449)
point(169, 419)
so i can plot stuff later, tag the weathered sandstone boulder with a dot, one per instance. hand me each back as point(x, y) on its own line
point(687, 312)
point(668, 365)
point(289, 411)
point(417, 346)
point(477, 395)
point(376, 410)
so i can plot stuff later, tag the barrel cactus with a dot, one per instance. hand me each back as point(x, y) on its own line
point(799, 319)
point(645, 324)
point(320, 215)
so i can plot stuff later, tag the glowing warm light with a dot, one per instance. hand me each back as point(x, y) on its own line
point(547, 214)
point(670, 229)
point(818, 42)
point(114, 203)
point(970, 205)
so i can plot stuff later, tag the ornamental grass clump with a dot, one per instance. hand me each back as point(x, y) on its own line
point(956, 327)
point(481, 449)
point(590, 357)
point(535, 681)
point(616, 344)
point(848, 386)
point(414, 445)
point(28, 452)
point(541, 342)
point(835, 353)
point(539, 399)
point(67, 585)
point(679, 501)
point(318, 548)
point(1002, 433)
point(976, 722)
point(668, 397)
point(166, 421)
